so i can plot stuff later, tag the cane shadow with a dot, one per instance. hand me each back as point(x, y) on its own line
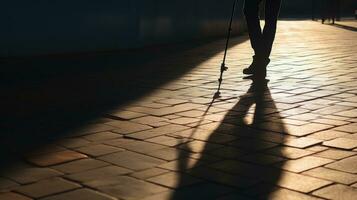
point(234, 162)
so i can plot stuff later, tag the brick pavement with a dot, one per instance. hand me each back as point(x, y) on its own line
point(295, 139)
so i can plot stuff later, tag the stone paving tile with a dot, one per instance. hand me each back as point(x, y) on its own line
point(168, 154)
point(158, 131)
point(175, 109)
point(80, 166)
point(289, 152)
point(345, 165)
point(90, 129)
point(332, 175)
point(342, 143)
point(253, 145)
point(125, 127)
point(205, 135)
point(13, 196)
point(125, 187)
point(334, 117)
point(349, 128)
point(294, 122)
point(50, 148)
point(305, 116)
point(55, 158)
point(269, 136)
point(172, 101)
point(351, 136)
point(29, 175)
point(102, 136)
point(177, 165)
point(349, 113)
point(340, 192)
point(126, 115)
point(168, 141)
point(159, 124)
point(303, 142)
point(100, 173)
point(132, 160)
point(198, 123)
point(328, 135)
point(222, 177)
point(80, 194)
point(307, 129)
point(173, 180)
point(240, 168)
point(184, 120)
point(70, 143)
point(200, 191)
point(284, 194)
point(173, 116)
point(228, 152)
point(191, 113)
point(317, 148)
point(335, 154)
point(145, 174)
point(333, 122)
point(140, 146)
point(312, 106)
point(217, 117)
point(294, 111)
point(303, 164)
point(219, 127)
point(98, 150)
point(199, 146)
point(47, 187)
point(6, 184)
point(119, 142)
point(300, 182)
point(149, 120)
point(261, 159)
point(155, 105)
point(336, 109)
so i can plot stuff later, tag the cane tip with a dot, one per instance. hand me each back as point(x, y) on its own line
point(217, 95)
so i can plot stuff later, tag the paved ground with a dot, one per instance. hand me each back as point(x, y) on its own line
point(294, 139)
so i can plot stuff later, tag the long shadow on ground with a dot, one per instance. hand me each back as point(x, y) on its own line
point(350, 28)
point(45, 98)
point(235, 161)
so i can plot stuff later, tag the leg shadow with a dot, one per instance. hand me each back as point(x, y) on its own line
point(238, 157)
point(350, 28)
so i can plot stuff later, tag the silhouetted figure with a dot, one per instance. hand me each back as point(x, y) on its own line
point(262, 41)
point(330, 10)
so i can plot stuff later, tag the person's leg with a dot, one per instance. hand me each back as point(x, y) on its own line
point(272, 9)
point(251, 12)
point(333, 14)
point(323, 11)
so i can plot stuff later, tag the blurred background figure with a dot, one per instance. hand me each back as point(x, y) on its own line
point(330, 11)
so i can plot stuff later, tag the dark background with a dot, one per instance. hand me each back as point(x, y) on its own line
point(63, 26)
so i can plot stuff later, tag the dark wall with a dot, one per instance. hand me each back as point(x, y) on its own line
point(65, 26)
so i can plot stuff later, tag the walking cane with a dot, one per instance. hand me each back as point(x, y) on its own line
point(223, 65)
